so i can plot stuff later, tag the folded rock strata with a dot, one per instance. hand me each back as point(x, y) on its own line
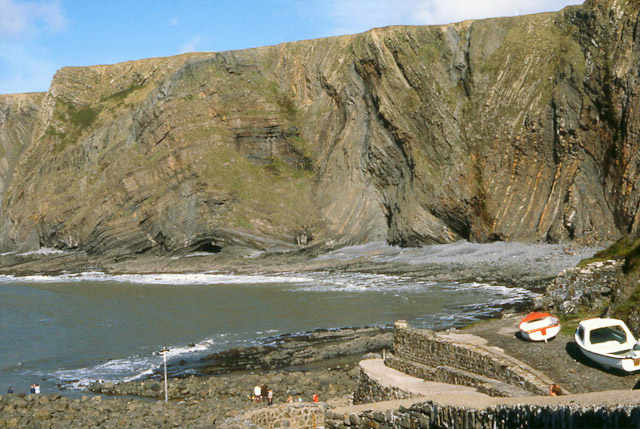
point(522, 128)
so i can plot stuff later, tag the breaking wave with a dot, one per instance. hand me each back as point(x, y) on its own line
point(462, 303)
point(157, 279)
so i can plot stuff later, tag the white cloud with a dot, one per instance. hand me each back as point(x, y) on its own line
point(353, 16)
point(19, 20)
point(189, 46)
point(22, 70)
point(174, 21)
point(25, 65)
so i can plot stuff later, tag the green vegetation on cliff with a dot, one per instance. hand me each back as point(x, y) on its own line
point(627, 248)
point(517, 129)
point(624, 300)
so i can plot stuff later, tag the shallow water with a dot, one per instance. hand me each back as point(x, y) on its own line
point(74, 329)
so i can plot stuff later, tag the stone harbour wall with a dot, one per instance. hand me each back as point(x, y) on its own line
point(432, 415)
point(294, 416)
point(449, 375)
point(459, 362)
point(369, 390)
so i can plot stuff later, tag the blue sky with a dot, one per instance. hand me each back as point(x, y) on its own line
point(37, 37)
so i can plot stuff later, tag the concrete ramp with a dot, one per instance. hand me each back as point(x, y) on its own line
point(463, 359)
point(376, 370)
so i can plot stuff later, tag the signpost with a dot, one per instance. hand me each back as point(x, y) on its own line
point(164, 357)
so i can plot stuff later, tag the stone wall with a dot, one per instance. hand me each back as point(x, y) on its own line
point(294, 416)
point(368, 390)
point(425, 354)
point(447, 358)
point(450, 375)
point(432, 415)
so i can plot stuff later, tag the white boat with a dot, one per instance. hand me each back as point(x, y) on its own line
point(539, 326)
point(609, 343)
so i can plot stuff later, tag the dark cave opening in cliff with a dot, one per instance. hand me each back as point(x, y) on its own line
point(208, 247)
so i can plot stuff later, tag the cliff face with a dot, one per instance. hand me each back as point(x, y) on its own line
point(519, 128)
point(18, 114)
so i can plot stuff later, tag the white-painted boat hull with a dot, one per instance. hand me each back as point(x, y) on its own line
point(609, 343)
point(608, 362)
point(545, 335)
point(540, 328)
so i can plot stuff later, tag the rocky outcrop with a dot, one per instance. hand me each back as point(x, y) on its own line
point(288, 350)
point(193, 402)
point(605, 288)
point(518, 128)
point(589, 288)
point(55, 411)
point(329, 384)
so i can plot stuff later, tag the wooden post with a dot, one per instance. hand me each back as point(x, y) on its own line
point(166, 391)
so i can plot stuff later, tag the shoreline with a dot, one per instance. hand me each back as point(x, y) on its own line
point(221, 394)
point(222, 400)
point(558, 358)
point(325, 349)
point(512, 264)
point(529, 265)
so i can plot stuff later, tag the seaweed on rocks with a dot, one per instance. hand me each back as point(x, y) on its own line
point(290, 350)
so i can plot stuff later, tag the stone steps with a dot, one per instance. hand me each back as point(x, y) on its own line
point(448, 374)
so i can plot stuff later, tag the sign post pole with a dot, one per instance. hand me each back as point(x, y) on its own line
point(166, 391)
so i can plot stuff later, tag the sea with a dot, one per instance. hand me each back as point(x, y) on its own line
point(64, 332)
